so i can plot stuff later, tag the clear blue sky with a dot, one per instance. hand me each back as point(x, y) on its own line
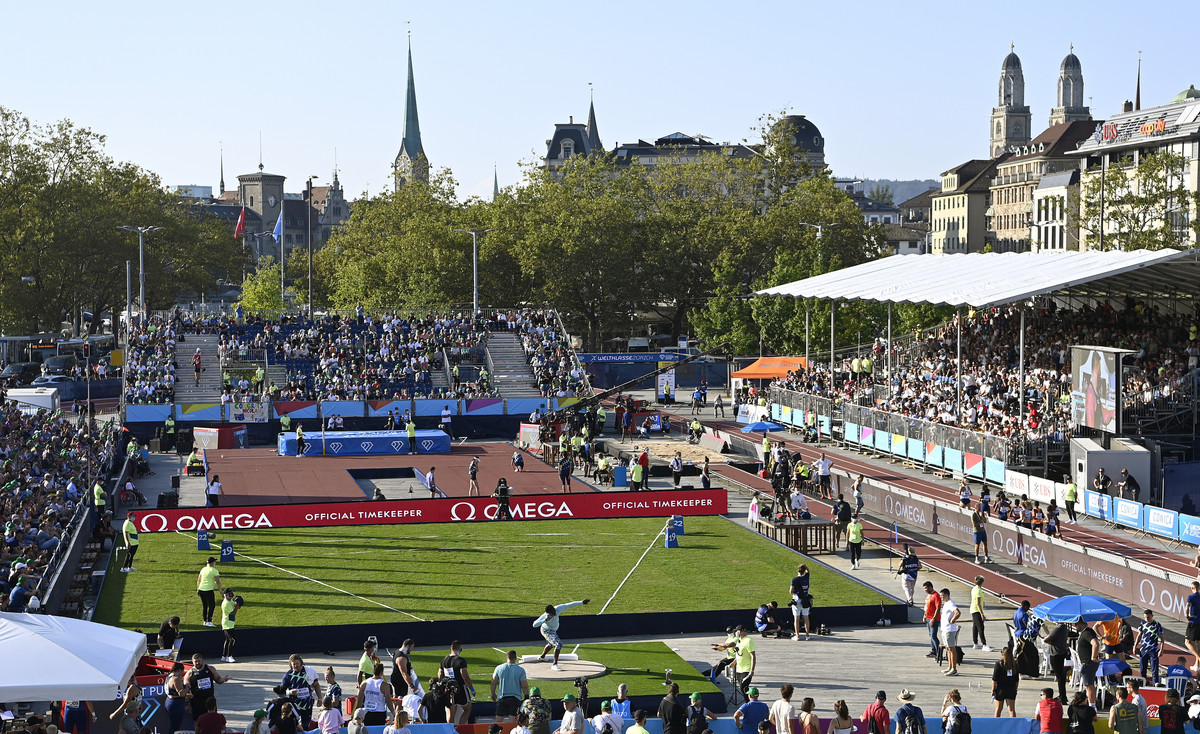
point(900, 90)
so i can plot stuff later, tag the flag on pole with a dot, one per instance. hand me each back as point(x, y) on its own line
point(240, 229)
point(278, 232)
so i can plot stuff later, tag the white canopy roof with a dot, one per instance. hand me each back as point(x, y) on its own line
point(981, 280)
point(62, 659)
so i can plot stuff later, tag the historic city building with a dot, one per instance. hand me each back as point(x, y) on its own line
point(1010, 117)
point(411, 163)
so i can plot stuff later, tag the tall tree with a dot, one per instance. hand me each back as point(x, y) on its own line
point(882, 194)
point(1142, 206)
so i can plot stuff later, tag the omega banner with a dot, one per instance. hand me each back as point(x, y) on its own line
point(1064, 560)
point(456, 509)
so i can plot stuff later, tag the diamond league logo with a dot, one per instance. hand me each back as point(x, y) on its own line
point(366, 447)
point(308, 448)
point(427, 444)
point(397, 445)
point(335, 447)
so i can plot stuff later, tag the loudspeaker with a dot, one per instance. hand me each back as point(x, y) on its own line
point(156, 445)
point(175, 481)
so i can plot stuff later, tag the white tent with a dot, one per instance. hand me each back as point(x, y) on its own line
point(57, 658)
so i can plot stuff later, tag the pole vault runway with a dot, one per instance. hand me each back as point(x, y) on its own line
point(261, 477)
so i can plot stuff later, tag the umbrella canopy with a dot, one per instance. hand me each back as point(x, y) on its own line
point(762, 427)
point(1080, 607)
point(1112, 666)
point(62, 659)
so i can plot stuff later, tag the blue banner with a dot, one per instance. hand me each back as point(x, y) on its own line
point(993, 470)
point(1161, 522)
point(360, 443)
point(1189, 529)
point(1127, 512)
point(916, 449)
point(1097, 505)
point(851, 430)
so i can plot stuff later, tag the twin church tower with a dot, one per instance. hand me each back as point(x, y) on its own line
point(1011, 122)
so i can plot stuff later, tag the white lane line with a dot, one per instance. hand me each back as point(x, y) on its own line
point(319, 583)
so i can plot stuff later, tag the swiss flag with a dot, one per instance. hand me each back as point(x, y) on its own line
point(240, 229)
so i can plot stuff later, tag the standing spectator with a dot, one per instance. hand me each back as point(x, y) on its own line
point(1124, 717)
point(211, 722)
point(621, 704)
point(672, 713)
point(933, 617)
point(206, 586)
point(1172, 717)
point(509, 687)
point(1049, 713)
point(639, 723)
point(1005, 681)
point(910, 719)
point(537, 709)
point(331, 719)
point(782, 711)
point(978, 635)
point(809, 723)
point(950, 617)
point(876, 716)
point(802, 599)
point(841, 723)
point(1080, 715)
point(698, 716)
point(954, 713)
point(823, 465)
point(130, 531)
point(753, 711)
point(1058, 648)
point(1087, 655)
point(1148, 644)
point(910, 566)
point(1134, 688)
point(606, 722)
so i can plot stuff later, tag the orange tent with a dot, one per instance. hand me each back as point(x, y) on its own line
point(765, 368)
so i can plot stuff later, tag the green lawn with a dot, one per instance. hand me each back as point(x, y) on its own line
point(384, 573)
point(639, 665)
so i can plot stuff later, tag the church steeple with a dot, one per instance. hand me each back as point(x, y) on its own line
point(495, 183)
point(1010, 116)
point(1070, 105)
point(222, 170)
point(410, 164)
point(593, 131)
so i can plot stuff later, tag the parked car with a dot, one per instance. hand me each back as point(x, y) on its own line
point(51, 380)
point(21, 373)
point(60, 364)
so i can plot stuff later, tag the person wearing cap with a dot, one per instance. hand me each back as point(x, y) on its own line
point(878, 712)
point(510, 685)
point(366, 664)
point(697, 714)
point(572, 720)
point(729, 647)
point(750, 713)
point(910, 719)
point(259, 725)
point(207, 585)
point(537, 709)
point(1128, 484)
point(606, 722)
point(747, 658)
point(473, 474)
point(671, 711)
point(230, 605)
point(1172, 717)
point(357, 724)
point(130, 532)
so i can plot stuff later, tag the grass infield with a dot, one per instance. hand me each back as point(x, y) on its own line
point(384, 573)
point(639, 665)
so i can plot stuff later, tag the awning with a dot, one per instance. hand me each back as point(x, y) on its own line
point(982, 280)
point(765, 368)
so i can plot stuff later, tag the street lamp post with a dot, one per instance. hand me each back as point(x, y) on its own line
point(141, 233)
point(475, 264)
point(819, 227)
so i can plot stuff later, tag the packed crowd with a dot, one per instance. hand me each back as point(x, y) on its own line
point(150, 365)
point(550, 356)
point(46, 460)
point(1164, 349)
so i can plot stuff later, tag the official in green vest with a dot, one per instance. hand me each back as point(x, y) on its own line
point(130, 531)
point(169, 432)
point(285, 423)
point(100, 497)
point(411, 429)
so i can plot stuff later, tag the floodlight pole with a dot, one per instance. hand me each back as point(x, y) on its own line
point(475, 265)
point(141, 233)
point(889, 344)
point(1021, 365)
point(832, 337)
point(807, 317)
point(958, 367)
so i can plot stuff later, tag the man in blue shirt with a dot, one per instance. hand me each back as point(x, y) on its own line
point(750, 713)
point(1021, 619)
point(1192, 611)
point(18, 597)
point(1148, 643)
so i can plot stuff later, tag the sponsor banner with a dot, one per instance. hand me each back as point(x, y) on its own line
point(973, 464)
point(880, 501)
point(666, 383)
point(485, 406)
point(434, 407)
point(1127, 512)
point(1041, 490)
point(952, 460)
point(748, 413)
point(916, 449)
point(1189, 529)
point(464, 509)
point(1015, 483)
point(200, 411)
point(1161, 522)
point(344, 408)
point(629, 358)
point(1097, 505)
point(361, 443)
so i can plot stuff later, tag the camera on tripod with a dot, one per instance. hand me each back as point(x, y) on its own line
point(581, 685)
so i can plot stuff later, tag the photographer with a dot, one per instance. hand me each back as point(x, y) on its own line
point(503, 511)
point(764, 620)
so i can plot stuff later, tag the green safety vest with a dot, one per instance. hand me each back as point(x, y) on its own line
point(285, 422)
point(170, 425)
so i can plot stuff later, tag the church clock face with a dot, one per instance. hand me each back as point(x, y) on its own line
point(271, 201)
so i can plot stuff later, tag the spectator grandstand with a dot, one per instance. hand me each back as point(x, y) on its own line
point(150, 365)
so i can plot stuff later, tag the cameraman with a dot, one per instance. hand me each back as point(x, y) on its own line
point(503, 512)
point(764, 620)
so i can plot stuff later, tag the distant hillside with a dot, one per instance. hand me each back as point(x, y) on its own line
point(901, 190)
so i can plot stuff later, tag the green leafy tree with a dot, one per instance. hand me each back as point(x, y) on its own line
point(1142, 206)
point(261, 290)
point(881, 193)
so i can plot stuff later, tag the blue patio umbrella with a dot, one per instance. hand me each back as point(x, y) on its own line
point(762, 427)
point(1080, 607)
point(1112, 666)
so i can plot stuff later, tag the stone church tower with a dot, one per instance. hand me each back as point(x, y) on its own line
point(1070, 105)
point(1010, 118)
point(411, 163)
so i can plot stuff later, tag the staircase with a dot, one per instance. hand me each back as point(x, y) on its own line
point(209, 389)
point(441, 378)
point(511, 376)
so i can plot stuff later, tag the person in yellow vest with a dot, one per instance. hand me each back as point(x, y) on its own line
point(100, 497)
point(285, 423)
point(207, 584)
point(300, 442)
point(169, 432)
point(230, 605)
point(867, 366)
point(130, 531)
point(411, 429)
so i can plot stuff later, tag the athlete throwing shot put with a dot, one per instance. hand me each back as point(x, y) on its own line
point(548, 623)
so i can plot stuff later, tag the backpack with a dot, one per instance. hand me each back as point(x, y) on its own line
point(960, 723)
point(915, 723)
point(697, 722)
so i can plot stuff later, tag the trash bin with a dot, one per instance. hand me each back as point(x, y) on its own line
point(621, 476)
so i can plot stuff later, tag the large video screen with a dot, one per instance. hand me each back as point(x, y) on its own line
point(1095, 387)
